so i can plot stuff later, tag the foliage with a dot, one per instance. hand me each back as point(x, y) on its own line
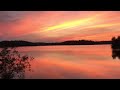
point(13, 64)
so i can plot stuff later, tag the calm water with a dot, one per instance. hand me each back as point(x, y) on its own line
point(72, 62)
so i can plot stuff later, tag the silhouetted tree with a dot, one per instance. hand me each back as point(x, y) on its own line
point(13, 64)
point(118, 38)
point(113, 39)
point(116, 43)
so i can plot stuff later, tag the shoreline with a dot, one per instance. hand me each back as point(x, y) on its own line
point(55, 45)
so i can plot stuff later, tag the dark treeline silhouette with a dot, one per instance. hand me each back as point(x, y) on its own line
point(116, 42)
point(72, 42)
point(85, 42)
point(13, 64)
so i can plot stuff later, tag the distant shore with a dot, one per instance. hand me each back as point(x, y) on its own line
point(72, 42)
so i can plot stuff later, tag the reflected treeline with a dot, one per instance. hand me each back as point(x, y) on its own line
point(13, 64)
point(116, 47)
point(116, 53)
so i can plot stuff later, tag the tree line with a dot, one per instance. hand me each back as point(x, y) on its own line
point(116, 42)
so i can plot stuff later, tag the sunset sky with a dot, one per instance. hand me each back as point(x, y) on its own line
point(56, 26)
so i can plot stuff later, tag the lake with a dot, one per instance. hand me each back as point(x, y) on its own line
point(72, 62)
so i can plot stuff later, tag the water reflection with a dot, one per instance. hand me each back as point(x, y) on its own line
point(116, 53)
point(60, 62)
point(13, 64)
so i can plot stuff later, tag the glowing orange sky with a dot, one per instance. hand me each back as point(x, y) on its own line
point(50, 26)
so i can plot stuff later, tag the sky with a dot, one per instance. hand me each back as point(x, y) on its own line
point(57, 26)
